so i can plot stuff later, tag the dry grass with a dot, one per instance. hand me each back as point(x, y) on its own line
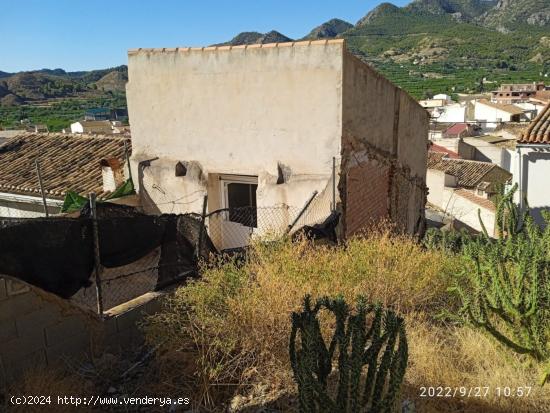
point(52, 382)
point(227, 334)
point(236, 321)
point(462, 357)
point(238, 316)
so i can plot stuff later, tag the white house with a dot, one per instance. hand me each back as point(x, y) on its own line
point(102, 127)
point(531, 165)
point(495, 149)
point(453, 113)
point(261, 126)
point(490, 114)
point(443, 96)
point(463, 189)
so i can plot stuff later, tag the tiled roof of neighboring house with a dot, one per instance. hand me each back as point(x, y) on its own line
point(440, 126)
point(457, 129)
point(441, 149)
point(538, 130)
point(483, 202)
point(67, 162)
point(96, 126)
point(470, 173)
point(434, 158)
point(512, 109)
point(542, 96)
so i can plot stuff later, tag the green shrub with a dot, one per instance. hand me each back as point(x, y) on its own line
point(508, 292)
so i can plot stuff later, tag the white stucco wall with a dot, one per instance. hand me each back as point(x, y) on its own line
point(435, 181)
point(238, 110)
point(478, 150)
point(452, 113)
point(77, 127)
point(490, 116)
point(26, 207)
point(442, 193)
point(534, 176)
point(466, 211)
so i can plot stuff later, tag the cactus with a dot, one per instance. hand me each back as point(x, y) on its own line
point(508, 293)
point(371, 361)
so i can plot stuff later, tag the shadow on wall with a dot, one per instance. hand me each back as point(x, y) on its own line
point(148, 205)
point(535, 184)
point(536, 213)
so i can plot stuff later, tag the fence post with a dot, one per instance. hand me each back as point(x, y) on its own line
point(97, 260)
point(127, 159)
point(201, 228)
point(37, 166)
point(306, 206)
point(333, 183)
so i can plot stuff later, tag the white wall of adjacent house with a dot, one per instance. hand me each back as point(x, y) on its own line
point(77, 127)
point(476, 149)
point(23, 206)
point(442, 193)
point(533, 178)
point(437, 181)
point(452, 113)
point(448, 143)
point(468, 211)
point(489, 116)
point(531, 109)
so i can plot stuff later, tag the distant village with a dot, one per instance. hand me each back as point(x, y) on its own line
point(476, 144)
point(482, 142)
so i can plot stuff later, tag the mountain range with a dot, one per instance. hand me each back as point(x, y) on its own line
point(445, 45)
point(439, 45)
point(39, 85)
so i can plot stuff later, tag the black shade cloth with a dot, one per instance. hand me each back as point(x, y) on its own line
point(53, 254)
point(325, 230)
point(57, 254)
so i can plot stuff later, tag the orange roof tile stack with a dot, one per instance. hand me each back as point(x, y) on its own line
point(538, 130)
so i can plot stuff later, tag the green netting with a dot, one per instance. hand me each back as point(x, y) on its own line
point(74, 202)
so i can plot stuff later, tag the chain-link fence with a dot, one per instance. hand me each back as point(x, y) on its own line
point(134, 254)
point(234, 228)
point(34, 187)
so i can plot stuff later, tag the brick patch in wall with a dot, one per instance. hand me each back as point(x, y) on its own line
point(366, 196)
point(402, 192)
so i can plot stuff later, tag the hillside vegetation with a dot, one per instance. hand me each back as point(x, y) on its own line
point(426, 47)
point(450, 46)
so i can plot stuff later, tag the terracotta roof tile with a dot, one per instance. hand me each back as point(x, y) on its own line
point(469, 173)
point(483, 202)
point(457, 128)
point(538, 130)
point(512, 109)
point(434, 157)
point(441, 149)
point(67, 162)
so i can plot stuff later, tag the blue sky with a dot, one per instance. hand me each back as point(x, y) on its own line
point(94, 34)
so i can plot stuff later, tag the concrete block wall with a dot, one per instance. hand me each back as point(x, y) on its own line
point(40, 329)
